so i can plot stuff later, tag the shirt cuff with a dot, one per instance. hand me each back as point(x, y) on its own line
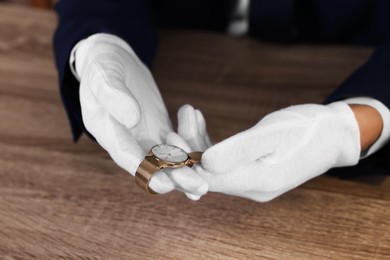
point(72, 61)
point(239, 20)
point(385, 114)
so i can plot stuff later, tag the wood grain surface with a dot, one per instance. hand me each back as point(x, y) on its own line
point(60, 200)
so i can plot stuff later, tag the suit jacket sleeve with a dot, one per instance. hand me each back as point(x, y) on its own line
point(132, 20)
point(373, 78)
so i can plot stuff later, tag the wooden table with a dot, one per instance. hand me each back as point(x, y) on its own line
point(65, 200)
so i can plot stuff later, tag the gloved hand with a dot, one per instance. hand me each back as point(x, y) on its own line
point(285, 149)
point(123, 109)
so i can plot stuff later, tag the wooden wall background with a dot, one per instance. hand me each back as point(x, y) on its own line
point(46, 4)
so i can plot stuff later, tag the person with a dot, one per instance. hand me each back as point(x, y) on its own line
point(104, 51)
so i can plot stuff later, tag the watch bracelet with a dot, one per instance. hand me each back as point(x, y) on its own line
point(143, 175)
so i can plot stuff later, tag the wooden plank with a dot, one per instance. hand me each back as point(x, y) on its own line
point(61, 200)
point(41, 3)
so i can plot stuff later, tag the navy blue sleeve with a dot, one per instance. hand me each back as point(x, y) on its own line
point(373, 78)
point(132, 20)
point(370, 80)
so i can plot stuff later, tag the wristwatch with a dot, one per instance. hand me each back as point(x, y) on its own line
point(163, 156)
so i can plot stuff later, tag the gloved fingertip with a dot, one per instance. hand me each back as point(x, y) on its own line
point(128, 119)
point(202, 189)
point(187, 180)
point(188, 126)
point(161, 183)
point(131, 116)
point(200, 118)
point(193, 197)
point(175, 139)
point(131, 122)
point(120, 104)
point(211, 160)
point(184, 109)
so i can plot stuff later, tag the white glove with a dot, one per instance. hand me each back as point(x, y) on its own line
point(192, 136)
point(282, 151)
point(123, 109)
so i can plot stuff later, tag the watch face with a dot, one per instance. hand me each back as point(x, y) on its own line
point(169, 153)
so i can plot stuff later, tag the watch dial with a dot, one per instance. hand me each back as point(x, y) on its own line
point(169, 153)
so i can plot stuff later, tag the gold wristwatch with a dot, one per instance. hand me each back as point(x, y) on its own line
point(163, 156)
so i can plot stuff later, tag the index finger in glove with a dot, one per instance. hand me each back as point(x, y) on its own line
point(192, 127)
point(109, 90)
point(256, 143)
point(185, 179)
point(110, 134)
point(180, 179)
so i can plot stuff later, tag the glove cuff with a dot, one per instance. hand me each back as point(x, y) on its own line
point(385, 114)
point(80, 53)
point(347, 134)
